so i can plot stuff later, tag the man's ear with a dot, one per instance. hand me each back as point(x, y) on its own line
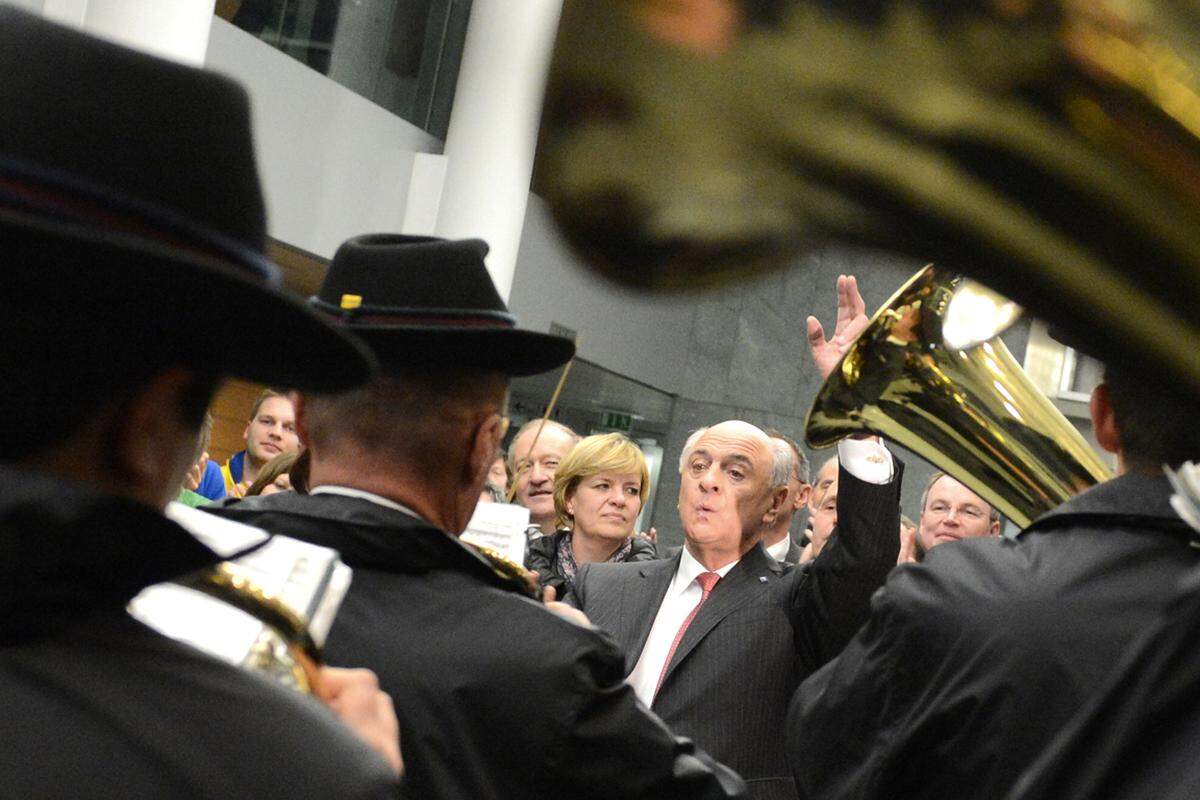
point(802, 497)
point(1104, 422)
point(484, 442)
point(301, 417)
point(777, 498)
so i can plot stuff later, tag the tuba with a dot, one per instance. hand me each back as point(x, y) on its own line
point(1047, 148)
point(268, 608)
point(970, 411)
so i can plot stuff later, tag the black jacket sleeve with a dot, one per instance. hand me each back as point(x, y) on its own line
point(831, 596)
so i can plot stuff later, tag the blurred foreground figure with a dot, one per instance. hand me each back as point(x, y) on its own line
point(1138, 739)
point(131, 236)
point(975, 659)
point(1048, 149)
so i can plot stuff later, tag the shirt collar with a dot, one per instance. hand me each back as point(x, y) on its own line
point(779, 550)
point(690, 569)
point(371, 497)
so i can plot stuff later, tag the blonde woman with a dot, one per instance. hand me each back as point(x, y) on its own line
point(599, 488)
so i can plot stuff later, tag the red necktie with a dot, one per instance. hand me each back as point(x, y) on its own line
point(707, 581)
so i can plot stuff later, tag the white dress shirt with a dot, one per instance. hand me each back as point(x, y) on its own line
point(779, 550)
point(682, 596)
point(866, 459)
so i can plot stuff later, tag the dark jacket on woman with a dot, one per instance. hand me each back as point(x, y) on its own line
point(543, 559)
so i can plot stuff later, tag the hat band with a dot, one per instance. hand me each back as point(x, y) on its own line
point(60, 197)
point(428, 318)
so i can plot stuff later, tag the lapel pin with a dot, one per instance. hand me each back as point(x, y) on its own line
point(762, 578)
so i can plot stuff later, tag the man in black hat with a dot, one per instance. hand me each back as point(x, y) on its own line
point(497, 697)
point(973, 660)
point(131, 259)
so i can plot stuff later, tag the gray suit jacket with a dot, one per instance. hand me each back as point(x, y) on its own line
point(764, 628)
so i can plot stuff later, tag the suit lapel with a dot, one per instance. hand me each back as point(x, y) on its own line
point(742, 584)
point(639, 605)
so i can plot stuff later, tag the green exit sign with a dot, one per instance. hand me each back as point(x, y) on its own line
point(617, 421)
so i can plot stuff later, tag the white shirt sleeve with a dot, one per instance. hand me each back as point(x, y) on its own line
point(866, 459)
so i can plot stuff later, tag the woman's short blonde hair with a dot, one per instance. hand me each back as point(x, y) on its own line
point(606, 452)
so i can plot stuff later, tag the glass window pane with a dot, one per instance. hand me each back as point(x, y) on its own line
point(401, 54)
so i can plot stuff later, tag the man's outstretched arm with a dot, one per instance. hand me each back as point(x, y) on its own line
point(831, 595)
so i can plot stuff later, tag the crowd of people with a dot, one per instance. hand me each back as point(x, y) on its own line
point(875, 658)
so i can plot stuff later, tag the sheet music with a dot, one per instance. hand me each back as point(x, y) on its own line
point(501, 527)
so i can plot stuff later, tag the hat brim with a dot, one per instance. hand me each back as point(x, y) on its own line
point(510, 351)
point(186, 309)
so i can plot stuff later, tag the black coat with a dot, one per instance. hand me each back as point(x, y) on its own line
point(973, 660)
point(765, 626)
point(496, 696)
point(543, 559)
point(97, 705)
point(1139, 737)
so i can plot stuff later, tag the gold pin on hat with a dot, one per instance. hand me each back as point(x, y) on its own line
point(351, 302)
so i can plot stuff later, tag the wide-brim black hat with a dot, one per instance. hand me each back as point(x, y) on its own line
point(420, 301)
point(132, 224)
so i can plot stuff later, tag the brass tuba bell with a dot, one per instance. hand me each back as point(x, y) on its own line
point(971, 412)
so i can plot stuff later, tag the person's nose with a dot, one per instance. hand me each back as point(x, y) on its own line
point(709, 480)
point(951, 517)
point(618, 498)
point(539, 474)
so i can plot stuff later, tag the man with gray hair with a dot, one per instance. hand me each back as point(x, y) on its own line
point(777, 537)
point(533, 458)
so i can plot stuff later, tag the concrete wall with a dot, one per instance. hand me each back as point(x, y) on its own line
point(647, 337)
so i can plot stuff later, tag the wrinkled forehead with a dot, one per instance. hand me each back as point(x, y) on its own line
point(554, 441)
point(735, 438)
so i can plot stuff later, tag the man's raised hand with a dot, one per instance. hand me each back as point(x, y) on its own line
point(852, 320)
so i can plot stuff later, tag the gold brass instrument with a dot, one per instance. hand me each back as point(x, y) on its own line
point(285, 651)
point(513, 574)
point(266, 609)
point(1048, 148)
point(973, 412)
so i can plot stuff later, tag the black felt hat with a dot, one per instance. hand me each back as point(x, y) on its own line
point(423, 301)
point(132, 224)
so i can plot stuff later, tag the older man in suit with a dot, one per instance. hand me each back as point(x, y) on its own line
point(777, 538)
point(717, 638)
